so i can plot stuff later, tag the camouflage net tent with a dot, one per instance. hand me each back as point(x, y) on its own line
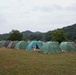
point(34, 46)
point(68, 46)
point(42, 42)
point(51, 48)
point(12, 44)
point(6, 43)
point(21, 45)
point(2, 43)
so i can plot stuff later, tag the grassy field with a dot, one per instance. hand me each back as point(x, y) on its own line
point(20, 62)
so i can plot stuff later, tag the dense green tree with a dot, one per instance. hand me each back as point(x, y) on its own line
point(58, 35)
point(35, 37)
point(43, 38)
point(15, 35)
point(48, 36)
point(26, 37)
point(0, 38)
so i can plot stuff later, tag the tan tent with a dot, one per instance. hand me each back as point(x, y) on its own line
point(12, 44)
point(6, 43)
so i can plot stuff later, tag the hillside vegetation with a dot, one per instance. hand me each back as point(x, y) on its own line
point(69, 31)
point(20, 62)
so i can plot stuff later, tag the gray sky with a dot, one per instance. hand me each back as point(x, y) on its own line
point(36, 15)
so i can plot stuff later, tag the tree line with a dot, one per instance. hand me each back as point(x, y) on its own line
point(57, 35)
point(64, 34)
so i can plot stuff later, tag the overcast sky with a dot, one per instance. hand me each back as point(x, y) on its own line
point(36, 15)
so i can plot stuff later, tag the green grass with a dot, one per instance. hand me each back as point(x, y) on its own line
point(20, 62)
